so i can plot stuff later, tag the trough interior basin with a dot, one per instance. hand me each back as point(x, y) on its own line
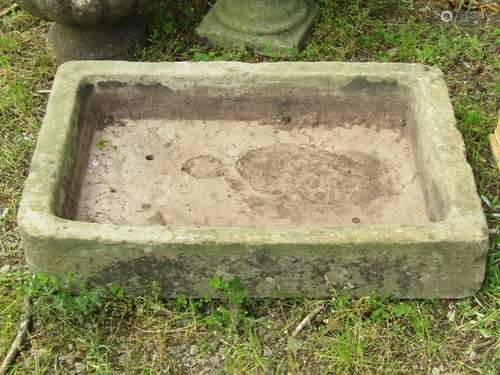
point(270, 156)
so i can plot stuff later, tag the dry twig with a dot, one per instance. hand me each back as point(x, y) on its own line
point(22, 332)
point(9, 10)
point(307, 320)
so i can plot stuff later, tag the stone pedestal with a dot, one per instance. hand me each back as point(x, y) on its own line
point(102, 42)
point(91, 29)
point(270, 27)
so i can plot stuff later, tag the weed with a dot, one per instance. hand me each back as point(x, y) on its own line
point(231, 312)
point(101, 144)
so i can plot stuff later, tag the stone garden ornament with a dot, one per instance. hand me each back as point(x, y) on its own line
point(90, 29)
point(110, 29)
point(268, 26)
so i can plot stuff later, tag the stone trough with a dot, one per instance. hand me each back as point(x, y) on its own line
point(298, 178)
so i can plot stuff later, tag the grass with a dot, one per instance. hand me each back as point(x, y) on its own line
point(108, 332)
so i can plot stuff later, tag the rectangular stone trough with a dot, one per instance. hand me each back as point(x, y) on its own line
point(298, 178)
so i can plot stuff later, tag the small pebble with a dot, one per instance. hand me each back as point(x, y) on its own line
point(268, 353)
point(80, 368)
point(193, 350)
point(69, 359)
point(165, 312)
point(42, 352)
point(451, 315)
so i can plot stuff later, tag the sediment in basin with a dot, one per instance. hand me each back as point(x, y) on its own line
point(311, 172)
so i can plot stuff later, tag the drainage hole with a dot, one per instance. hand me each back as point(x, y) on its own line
point(150, 157)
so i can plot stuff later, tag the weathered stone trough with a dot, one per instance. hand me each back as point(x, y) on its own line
point(296, 177)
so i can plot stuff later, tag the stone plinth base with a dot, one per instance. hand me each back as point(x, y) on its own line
point(270, 27)
point(103, 42)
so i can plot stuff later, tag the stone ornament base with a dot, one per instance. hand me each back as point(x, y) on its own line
point(263, 26)
point(104, 42)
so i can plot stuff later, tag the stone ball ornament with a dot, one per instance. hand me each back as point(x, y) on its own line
point(80, 12)
point(91, 29)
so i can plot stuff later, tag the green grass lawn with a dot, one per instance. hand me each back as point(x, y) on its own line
point(98, 332)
